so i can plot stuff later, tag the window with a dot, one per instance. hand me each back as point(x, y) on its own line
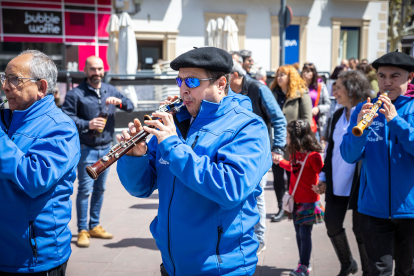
point(349, 43)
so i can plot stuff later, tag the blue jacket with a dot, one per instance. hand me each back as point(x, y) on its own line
point(40, 151)
point(387, 173)
point(82, 104)
point(244, 101)
point(207, 178)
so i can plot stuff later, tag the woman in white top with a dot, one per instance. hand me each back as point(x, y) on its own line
point(340, 180)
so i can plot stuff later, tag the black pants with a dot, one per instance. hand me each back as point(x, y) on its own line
point(386, 239)
point(279, 182)
point(57, 271)
point(335, 215)
point(163, 271)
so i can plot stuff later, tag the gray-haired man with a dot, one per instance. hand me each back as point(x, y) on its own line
point(40, 151)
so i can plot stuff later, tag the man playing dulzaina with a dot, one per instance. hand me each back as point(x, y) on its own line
point(206, 163)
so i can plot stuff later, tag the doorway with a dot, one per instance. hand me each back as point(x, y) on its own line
point(149, 52)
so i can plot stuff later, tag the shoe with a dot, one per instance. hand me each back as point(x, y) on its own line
point(262, 247)
point(309, 267)
point(83, 239)
point(300, 271)
point(279, 216)
point(99, 232)
point(341, 246)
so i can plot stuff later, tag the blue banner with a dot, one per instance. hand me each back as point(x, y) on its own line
point(292, 44)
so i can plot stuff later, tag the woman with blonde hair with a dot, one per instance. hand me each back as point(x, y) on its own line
point(292, 95)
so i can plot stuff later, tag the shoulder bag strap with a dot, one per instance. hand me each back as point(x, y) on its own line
point(319, 94)
point(300, 174)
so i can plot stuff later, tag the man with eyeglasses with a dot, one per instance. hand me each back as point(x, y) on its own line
point(91, 105)
point(39, 154)
point(206, 162)
point(247, 61)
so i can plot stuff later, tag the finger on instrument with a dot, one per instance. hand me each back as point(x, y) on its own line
point(132, 129)
point(119, 138)
point(137, 124)
point(165, 117)
point(369, 100)
point(155, 123)
point(151, 130)
point(126, 134)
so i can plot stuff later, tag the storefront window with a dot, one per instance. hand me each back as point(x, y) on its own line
point(9, 50)
point(349, 43)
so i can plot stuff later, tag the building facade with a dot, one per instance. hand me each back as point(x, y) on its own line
point(322, 32)
point(67, 30)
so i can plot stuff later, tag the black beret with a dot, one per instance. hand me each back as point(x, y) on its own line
point(395, 59)
point(208, 58)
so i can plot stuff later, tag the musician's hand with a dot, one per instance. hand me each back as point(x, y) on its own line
point(113, 100)
point(135, 127)
point(366, 108)
point(97, 123)
point(169, 100)
point(388, 109)
point(161, 131)
point(276, 157)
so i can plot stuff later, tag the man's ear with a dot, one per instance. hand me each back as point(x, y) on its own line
point(410, 76)
point(222, 82)
point(42, 88)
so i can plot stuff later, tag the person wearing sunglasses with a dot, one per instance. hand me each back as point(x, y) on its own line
point(206, 162)
point(39, 154)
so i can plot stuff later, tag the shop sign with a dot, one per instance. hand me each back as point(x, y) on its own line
point(32, 22)
point(292, 44)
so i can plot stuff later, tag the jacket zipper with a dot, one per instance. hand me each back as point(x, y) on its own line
point(169, 208)
point(169, 241)
point(220, 232)
point(32, 236)
point(389, 169)
point(195, 142)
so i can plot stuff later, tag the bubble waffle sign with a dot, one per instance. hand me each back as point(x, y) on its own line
point(44, 23)
point(32, 22)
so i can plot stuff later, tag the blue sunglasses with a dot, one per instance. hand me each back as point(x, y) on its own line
point(191, 82)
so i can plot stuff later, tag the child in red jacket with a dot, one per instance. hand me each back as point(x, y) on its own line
point(304, 151)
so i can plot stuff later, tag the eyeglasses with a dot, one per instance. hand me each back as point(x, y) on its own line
point(191, 82)
point(13, 80)
point(308, 64)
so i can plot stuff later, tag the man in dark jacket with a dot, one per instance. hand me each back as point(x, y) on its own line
point(92, 106)
point(264, 105)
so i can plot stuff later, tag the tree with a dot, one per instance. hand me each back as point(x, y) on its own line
point(400, 17)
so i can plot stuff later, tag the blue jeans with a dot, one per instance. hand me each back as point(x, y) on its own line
point(260, 227)
point(304, 241)
point(388, 239)
point(87, 185)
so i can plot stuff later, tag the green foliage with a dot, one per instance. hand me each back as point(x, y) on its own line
point(398, 24)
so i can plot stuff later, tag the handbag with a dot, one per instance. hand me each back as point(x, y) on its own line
point(288, 200)
point(314, 125)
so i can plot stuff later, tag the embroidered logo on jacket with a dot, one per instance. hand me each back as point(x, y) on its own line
point(374, 136)
point(163, 162)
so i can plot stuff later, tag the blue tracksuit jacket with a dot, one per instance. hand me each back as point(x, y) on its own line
point(207, 178)
point(387, 151)
point(39, 153)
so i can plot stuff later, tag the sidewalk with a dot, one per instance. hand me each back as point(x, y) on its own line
point(133, 250)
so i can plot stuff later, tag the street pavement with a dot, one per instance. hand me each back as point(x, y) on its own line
point(133, 251)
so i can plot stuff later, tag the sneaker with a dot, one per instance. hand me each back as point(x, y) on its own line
point(99, 232)
point(300, 271)
point(83, 239)
point(309, 267)
point(262, 247)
